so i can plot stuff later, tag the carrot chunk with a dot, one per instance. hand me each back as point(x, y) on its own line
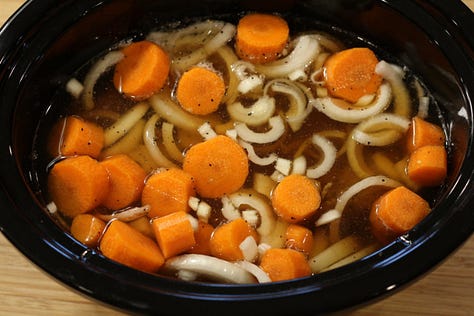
point(261, 38)
point(200, 91)
point(167, 192)
point(427, 166)
point(218, 166)
point(396, 212)
point(127, 179)
point(284, 264)
point(226, 239)
point(87, 229)
point(295, 198)
point(74, 136)
point(78, 184)
point(203, 237)
point(143, 70)
point(174, 233)
point(350, 74)
point(422, 133)
point(128, 246)
point(299, 238)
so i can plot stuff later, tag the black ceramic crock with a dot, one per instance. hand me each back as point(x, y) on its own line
point(46, 41)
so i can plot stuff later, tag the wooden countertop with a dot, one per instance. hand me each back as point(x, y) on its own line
point(25, 290)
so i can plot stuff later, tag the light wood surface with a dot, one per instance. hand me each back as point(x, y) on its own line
point(25, 290)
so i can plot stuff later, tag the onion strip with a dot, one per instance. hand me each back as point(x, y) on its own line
point(256, 271)
point(121, 127)
point(169, 143)
point(380, 130)
point(277, 129)
point(329, 157)
point(394, 75)
point(149, 138)
point(257, 114)
point(125, 215)
point(253, 157)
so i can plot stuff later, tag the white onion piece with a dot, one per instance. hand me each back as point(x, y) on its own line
point(394, 75)
point(355, 157)
point(149, 139)
point(206, 131)
point(229, 211)
point(306, 48)
point(257, 114)
point(74, 87)
point(210, 267)
point(127, 143)
point(328, 43)
point(121, 127)
point(251, 217)
point(355, 189)
point(174, 114)
point(380, 130)
point(340, 250)
point(256, 271)
point(169, 142)
point(249, 249)
point(299, 165)
point(277, 129)
point(283, 165)
point(298, 107)
point(355, 114)
point(329, 157)
point(257, 202)
point(253, 157)
point(229, 57)
point(94, 74)
point(423, 101)
point(125, 215)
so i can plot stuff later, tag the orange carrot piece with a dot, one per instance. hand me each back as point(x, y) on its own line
point(295, 198)
point(226, 239)
point(128, 246)
point(174, 233)
point(203, 237)
point(167, 192)
point(74, 136)
point(422, 133)
point(299, 238)
point(284, 264)
point(87, 229)
point(143, 70)
point(78, 185)
point(427, 166)
point(200, 91)
point(127, 179)
point(350, 74)
point(261, 38)
point(396, 212)
point(219, 166)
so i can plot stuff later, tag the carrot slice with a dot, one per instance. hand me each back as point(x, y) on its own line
point(284, 264)
point(200, 91)
point(396, 212)
point(174, 233)
point(78, 185)
point(143, 70)
point(219, 166)
point(167, 192)
point(87, 229)
point(427, 166)
point(261, 38)
point(128, 246)
point(350, 74)
point(127, 179)
point(422, 133)
point(299, 238)
point(226, 239)
point(74, 136)
point(295, 198)
point(203, 237)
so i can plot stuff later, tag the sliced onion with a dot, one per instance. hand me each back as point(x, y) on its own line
point(423, 101)
point(257, 114)
point(174, 114)
point(355, 157)
point(355, 114)
point(169, 143)
point(121, 127)
point(380, 130)
point(229, 57)
point(305, 49)
point(355, 189)
point(394, 75)
point(206, 131)
point(149, 138)
point(125, 215)
point(128, 142)
point(253, 157)
point(341, 249)
point(298, 108)
point(367, 250)
point(94, 74)
point(256, 271)
point(257, 202)
point(210, 267)
point(277, 129)
point(329, 157)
